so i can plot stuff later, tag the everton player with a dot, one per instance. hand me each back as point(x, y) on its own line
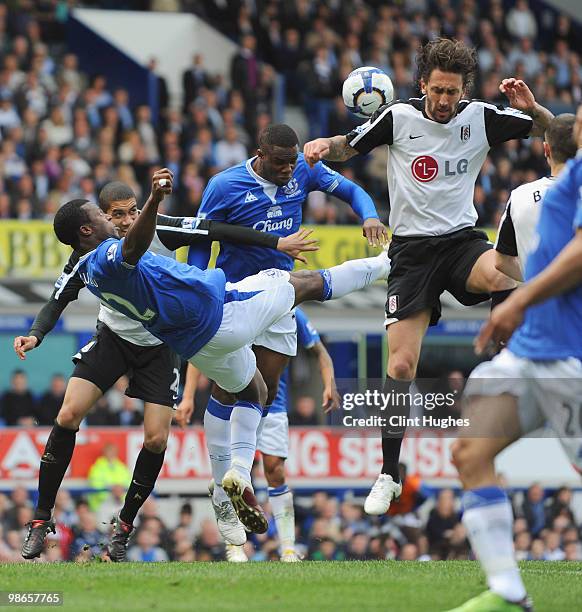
point(197, 313)
point(438, 144)
point(268, 192)
point(121, 346)
point(537, 379)
point(273, 442)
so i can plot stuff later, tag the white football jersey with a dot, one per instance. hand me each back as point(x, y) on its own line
point(432, 167)
point(517, 234)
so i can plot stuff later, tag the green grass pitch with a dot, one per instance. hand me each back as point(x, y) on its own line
point(350, 585)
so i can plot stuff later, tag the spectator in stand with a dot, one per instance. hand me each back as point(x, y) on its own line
point(441, 523)
point(305, 413)
point(108, 470)
point(146, 548)
point(533, 509)
point(18, 402)
point(51, 401)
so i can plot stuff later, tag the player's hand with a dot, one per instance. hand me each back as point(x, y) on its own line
point(183, 413)
point(504, 320)
point(297, 243)
point(316, 150)
point(331, 399)
point(23, 344)
point(162, 182)
point(374, 232)
point(518, 93)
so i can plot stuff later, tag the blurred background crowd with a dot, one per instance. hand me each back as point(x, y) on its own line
point(65, 133)
point(422, 527)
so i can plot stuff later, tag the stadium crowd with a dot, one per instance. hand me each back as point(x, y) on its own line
point(327, 529)
point(65, 133)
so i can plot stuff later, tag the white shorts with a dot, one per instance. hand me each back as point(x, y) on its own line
point(251, 306)
point(274, 435)
point(546, 391)
point(281, 337)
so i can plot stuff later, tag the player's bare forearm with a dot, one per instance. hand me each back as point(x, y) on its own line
point(326, 368)
point(339, 149)
point(141, 233)
point(541, 119)
point(509, 265)
point(563, 274)
point(191, 384)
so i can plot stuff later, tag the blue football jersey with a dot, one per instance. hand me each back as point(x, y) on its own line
point(179, 304)
point(553, 329)
point(307, 336)
point(241, 197)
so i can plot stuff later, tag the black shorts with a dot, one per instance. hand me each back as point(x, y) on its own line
point(423, 268)
point(153, 371)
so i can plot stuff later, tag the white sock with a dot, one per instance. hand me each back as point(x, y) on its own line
point(217, 432)
point(244, 422)
point(354, 274)
point(489, 522)
point(281, 499)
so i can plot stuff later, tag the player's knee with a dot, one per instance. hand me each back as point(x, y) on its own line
point(402, 366)
point(70, 415)
point(275, 474)
point(156, 441)
point(467, 457)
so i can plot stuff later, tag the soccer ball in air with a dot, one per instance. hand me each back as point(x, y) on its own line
point(365, 90)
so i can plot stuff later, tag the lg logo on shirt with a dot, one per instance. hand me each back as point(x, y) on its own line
point(425, 168)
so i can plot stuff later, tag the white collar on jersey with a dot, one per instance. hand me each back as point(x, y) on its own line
point(258, 178)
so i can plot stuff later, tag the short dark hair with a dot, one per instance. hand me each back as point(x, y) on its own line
point(560, 137)
point(68, 220)
point(113, 192)
point(278, 135)
point(448, 55)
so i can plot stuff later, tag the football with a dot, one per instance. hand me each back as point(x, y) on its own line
point(366, 89)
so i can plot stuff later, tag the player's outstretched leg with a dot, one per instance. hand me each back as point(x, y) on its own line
point(487, 514)
point(79, 398)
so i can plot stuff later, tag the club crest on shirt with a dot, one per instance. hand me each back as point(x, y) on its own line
point(392, 304)
point(465, 133)
point(291, 188)
point(274, 211)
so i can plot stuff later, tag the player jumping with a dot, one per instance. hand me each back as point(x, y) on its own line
point(438, 144)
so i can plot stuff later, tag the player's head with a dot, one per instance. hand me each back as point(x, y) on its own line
point(83, 225)
point(277, 153)
point(559, 142)
point(118, 200)
point(446, 69)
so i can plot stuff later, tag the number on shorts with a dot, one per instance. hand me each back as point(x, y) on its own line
point(175, 386)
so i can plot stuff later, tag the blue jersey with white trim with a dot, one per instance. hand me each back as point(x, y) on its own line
point(241, 197)
point(307, 336)
point(179, 304)
point(553, 329)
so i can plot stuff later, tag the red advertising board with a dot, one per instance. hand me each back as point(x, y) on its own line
point(317, 457)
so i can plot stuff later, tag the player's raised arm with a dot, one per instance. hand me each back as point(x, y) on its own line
point(335, 148)
point(140, 235)
point(521, 97)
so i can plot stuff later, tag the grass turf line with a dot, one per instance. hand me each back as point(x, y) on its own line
point(349, 585)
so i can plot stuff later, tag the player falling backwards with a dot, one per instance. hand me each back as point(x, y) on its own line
point(205, 319)
point(267, 192)
point(272, 442)
point(438, 144)
point(537, 379)
point(120, 346)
